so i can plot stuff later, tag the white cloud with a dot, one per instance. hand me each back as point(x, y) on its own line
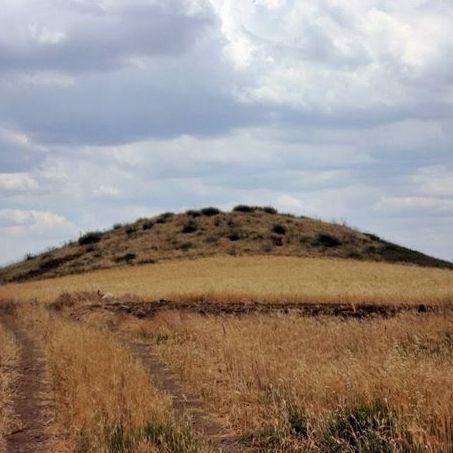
point(14, 137)
point(17, 182)
point(334, 55)
point(18, 223)
point(47, 78)
point(289, 202)
point(416, 204)
point(435, 181)
point(105, 190)
point(44, 36)
point(125, 107)
point(72, 37)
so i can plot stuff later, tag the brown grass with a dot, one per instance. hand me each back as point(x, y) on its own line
point(234, 233)
point(105, 400)
point(284, 381)
point(8, 361)
point(264, 278)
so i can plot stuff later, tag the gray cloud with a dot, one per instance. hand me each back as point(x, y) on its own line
point(114, 110)
point(73, 37)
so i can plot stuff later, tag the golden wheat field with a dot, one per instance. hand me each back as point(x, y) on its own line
point(266, 278)
point(178, 381)
point(286, 381)
point(104, 400)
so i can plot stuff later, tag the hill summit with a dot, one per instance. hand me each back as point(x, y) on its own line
point(246, 230)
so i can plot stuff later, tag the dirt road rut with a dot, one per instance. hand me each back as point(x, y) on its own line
point(30, 435)
point(203, 424)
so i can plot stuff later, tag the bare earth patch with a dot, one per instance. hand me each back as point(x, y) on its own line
point(31, 434)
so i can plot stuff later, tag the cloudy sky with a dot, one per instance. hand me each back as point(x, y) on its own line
point(115, 109)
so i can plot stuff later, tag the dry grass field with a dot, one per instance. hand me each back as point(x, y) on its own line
point(261, 278)
point(280, 382)
point(8, 359)
point(104, 399)
point(299, 384)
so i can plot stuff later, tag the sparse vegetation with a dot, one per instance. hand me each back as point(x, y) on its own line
point(244, 208)
point(373, 237)
point(147, 225)
point(50, 263)
point(269, 210)
point(185, 246)
point(262, 230)
point(127, 257)
point(278, 228)
point(163, 218)
point(91, 237)
point(193, 213)
point(130, 230)
point(234, 236)
point(210, 211)
point(190, 227)
point(327, 240)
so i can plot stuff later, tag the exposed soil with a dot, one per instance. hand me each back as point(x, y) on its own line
point(203, 424)
point(359, 311)
point(29, 405)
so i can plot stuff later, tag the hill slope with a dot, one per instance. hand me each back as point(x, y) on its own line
point(244, 231)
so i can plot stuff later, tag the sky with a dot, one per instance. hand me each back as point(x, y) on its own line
point(112, 110)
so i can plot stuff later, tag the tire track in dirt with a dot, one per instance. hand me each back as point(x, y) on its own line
point(31, 435)
point(203, 424)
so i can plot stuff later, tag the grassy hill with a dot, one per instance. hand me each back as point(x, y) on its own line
point(206, 232)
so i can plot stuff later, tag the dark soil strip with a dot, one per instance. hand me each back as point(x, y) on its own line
point(218, 438)
point(359, 311)
point(30, 436)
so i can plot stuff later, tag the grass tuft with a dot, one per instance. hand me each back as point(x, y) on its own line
point(91, 237)
point(367, 428)
point(278, 228)
point(327, 240)
point(189, 227)
point(210, 211)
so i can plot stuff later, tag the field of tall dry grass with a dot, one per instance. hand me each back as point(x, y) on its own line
point(289, 383)
point(281, 382)
point(105, 400)
point(8, 358)
point(266, 278)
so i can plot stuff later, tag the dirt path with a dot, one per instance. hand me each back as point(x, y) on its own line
point(29, 404)
point(203, 424)
point(358, 311)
